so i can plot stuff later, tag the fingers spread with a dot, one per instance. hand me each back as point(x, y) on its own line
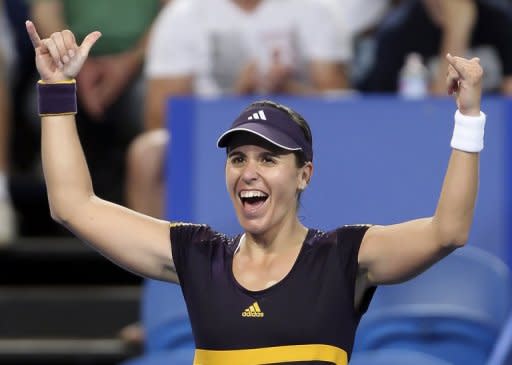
point(32, 33)
point(468, 70)
point(458, 63)
point(89, 41)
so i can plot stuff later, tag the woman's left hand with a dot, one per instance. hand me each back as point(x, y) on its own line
point(464, 81)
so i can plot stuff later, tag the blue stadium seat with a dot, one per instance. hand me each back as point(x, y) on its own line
point(454, 311)
point(165, 318)
point(502, 352)
point(168, 335)
point(395, 357)
point(170, 357)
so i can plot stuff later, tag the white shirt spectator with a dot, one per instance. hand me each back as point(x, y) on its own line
point(214, 39)
point(361, 15)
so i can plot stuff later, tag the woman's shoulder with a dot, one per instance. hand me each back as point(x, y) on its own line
point(338, 234)
point(202, 233)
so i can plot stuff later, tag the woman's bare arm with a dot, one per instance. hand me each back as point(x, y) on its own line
point(395, 253)
point(136, 242)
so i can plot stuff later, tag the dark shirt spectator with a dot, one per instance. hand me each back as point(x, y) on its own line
point(436, 27)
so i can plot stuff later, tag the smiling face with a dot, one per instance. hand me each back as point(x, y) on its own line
point(263, 182)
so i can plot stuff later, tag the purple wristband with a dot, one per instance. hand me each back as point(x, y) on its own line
point(56, 99)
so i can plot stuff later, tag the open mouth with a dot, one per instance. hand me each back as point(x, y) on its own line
point(252, 199)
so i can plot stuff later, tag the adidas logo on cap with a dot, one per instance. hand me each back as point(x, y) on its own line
point(259, 115)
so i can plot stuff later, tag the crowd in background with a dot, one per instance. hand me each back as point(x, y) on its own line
point(155, 49)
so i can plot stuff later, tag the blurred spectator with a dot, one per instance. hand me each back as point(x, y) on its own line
point(26, 186)
point(362, 17)
point(110, 91)
point(433, 28)
point(7, 213)
point(232, 47)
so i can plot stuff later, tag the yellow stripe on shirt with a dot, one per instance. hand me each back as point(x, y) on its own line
point(270, 355)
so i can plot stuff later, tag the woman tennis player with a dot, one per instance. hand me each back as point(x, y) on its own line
point(279, 292)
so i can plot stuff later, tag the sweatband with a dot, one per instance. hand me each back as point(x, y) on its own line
point(56, 98)
point(468, 134)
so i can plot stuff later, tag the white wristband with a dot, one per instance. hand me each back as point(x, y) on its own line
point(468, 133)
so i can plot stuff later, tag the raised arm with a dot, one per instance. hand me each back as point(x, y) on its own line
point(136, 242)
point(395, 253)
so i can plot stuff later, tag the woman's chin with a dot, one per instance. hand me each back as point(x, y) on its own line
point(253, 227)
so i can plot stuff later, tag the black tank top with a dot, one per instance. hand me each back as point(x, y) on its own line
point(306, 318)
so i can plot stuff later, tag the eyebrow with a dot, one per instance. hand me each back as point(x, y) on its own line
point(272, 153)
point(275, 154)
point(235, 153)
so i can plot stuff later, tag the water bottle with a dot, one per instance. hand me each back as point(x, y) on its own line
point(413, 78)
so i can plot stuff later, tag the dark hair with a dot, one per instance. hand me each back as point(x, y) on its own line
point(296, 117)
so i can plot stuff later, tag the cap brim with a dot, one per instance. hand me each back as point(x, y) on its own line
point(272, 135)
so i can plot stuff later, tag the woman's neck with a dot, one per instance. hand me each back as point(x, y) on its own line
point(275, 241)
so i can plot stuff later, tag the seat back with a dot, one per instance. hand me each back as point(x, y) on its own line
point(502, 352)
point(395, 357)
point(169, 357)
point(165, 318)
point(454, 310)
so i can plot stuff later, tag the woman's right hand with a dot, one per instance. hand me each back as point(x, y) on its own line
point(59, 58)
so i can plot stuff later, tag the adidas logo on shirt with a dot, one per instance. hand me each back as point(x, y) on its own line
point(254, 311)
point(259, 115)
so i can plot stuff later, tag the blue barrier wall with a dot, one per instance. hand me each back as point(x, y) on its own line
point(377, 160)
